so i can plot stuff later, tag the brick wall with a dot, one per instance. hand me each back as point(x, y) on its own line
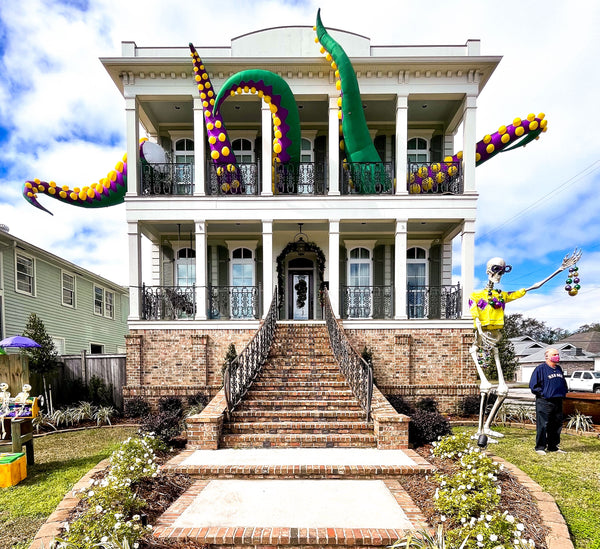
point(418, 363)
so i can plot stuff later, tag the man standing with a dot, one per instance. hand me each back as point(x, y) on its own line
point(548, 385)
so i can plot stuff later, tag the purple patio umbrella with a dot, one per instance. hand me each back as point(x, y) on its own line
point(18, 341)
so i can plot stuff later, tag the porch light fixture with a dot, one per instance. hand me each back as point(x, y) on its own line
point(300, 240)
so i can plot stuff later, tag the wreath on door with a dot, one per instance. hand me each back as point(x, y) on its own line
point(301, 289)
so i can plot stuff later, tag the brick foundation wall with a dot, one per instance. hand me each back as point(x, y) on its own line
point(178, 363)
point(419, 363)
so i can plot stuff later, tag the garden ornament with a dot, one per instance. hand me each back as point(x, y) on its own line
point(487, 309)
point(22, 397)
point(4, 401)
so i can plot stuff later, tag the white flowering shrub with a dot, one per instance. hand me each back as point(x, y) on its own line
point(490, 531)
point(452, 446)
point(113, 508)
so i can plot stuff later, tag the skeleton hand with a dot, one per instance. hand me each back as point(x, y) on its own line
point(570, 260)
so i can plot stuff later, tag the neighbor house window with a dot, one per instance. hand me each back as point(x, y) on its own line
point(109, 304)
point(98, 300)
point(96, 349)
point(68, 290)
point(25, 274)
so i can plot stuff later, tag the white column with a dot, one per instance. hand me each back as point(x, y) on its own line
point(334, 266)
point(135, 269)
point(401, 143)
point(267, 150)
point(334, 148)
point(400, 244)
point(469, 142)
point(267, 266)
point(199, 152)
point(132, 117)
point(201, 264)
point(467, 264)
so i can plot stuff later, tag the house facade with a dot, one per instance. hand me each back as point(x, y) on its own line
point(209, 252)
point(80, 310)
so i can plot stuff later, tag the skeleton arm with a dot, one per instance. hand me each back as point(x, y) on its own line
point(568, 261)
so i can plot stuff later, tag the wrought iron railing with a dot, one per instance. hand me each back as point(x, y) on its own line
point(367, 178)
point(232, 179)
point(357, 371)
point(435, 178)
point(305, 178)
point(234, 302)
point(168, 302)
point(367, 301)
point(240, 374)
point(167, 179)
point(436, 302)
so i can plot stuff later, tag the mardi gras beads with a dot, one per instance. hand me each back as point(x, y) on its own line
point(572, 287)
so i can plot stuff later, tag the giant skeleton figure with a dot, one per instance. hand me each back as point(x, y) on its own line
point(487, 310)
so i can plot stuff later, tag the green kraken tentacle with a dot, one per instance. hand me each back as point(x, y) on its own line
point(276, 92)
point(357, 141)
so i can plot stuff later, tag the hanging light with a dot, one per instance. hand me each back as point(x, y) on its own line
point(300, 240)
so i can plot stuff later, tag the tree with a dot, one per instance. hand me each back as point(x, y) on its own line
point(516, 325)
point(508, 360)
point(41, 359)
point(593, 327)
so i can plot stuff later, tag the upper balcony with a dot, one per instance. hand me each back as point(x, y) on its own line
point(303, 179)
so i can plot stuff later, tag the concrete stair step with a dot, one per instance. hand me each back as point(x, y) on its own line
point(263, 440)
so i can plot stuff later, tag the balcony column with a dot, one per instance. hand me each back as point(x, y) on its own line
point(267, 265)
point(467, 264)
point(201, 262)
point(334, 148)
point(469, 141)
point(400, 244)
point(135, 269)
point(267, 150)
point(199, 148)
point(401, 143)
point(132, 117)
point(334, 265)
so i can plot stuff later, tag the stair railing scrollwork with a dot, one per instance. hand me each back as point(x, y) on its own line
point(357, 371)
point(244, 368)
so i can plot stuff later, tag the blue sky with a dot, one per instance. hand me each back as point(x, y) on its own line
point(62, 118)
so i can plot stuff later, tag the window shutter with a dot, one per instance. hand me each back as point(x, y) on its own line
point(379, 143)
point(435, 148)
point(167, 265)
point(379, 265)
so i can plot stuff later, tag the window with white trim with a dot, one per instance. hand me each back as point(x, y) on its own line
point(98, 300)
point(25, 279)
point(359, 267)
point(68, 289)
point(109, 304)
point(243, 150)
point(418, 150)
point(416, 280)
point(185, 267)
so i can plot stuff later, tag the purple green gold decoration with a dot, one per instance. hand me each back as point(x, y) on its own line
point(573, 285)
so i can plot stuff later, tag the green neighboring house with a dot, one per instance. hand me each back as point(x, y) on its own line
point(80, 310)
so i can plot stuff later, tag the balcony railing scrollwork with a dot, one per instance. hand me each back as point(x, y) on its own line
point(233, 302)
point(167, 179)
point(368, 302)
point(232, 179)
point(304, 178)
point(367, 178)
point(168, 302)
point(357, 371)
point(244, 368)
point(436, 302)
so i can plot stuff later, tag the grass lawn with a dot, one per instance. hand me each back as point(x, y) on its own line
point(60, 461)
point(573, 479)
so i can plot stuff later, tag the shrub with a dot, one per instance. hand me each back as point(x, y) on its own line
point(469, 406)
point(171, 405)
point(580, 422)
point(427, 404)
point(425, 427)
point(99, 392)
point(199, 399)
point(452, 447)
point(229, 357)
point(165, 425)
point(367, 355)
point(137, 407)
point(103, 414)
point(400, 405)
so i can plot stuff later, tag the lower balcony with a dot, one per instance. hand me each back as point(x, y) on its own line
point(434, 302)
point(375, 302)
point(168, 302)
point(234, 302)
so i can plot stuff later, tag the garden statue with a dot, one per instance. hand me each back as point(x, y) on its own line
point(487, 310)
point(4, 401)
point(22, 397)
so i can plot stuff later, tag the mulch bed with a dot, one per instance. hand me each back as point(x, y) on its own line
point(162, 491)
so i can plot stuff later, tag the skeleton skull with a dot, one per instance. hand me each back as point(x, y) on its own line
point(496, 267)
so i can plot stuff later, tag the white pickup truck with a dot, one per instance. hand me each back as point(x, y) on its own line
point(584, 380)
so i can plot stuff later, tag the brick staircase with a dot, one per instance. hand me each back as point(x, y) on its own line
point(300, 399)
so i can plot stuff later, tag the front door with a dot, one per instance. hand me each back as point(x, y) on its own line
point(300, 295)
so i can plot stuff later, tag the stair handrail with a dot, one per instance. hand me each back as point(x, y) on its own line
point(357, 370)
point(244, 368)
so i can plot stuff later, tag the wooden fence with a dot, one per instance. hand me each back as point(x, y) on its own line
point(14, 370)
